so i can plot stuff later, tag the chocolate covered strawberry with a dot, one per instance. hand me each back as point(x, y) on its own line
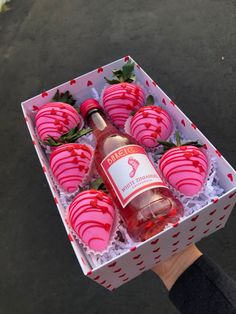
point(92, 215)
point(70, 163)
point(58, 117)
point(123, 96)
point(184, 166)
point(150, 124)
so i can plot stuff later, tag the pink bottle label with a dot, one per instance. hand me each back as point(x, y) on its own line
point(130, 172)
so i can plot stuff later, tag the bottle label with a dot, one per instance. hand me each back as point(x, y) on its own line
point(130, 172)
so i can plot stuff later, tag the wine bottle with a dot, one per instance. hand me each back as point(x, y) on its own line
point(145, 202)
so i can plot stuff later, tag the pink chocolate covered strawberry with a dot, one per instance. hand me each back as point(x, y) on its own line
point(58, 117)
point(122, 97)
point(184, 166)
point(92, 215)
point(70, 164)
point(150, 124)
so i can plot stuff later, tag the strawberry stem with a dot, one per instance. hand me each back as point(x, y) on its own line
point(65, 97)
point(98, 184)
point(126, 74)
point(194, 143)
point(149, 101)
point(178, 141)
point(170, 144)
point(69, 137)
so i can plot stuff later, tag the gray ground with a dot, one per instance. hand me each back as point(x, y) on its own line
point(43, 43)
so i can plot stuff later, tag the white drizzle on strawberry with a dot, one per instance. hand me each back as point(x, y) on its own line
point(185, 168)
point(69, 164)
point(56, 118)
point(120, 100)
point(91, 215)
point(150, 124)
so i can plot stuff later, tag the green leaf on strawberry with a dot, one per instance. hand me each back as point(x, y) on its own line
point(98, 184)
point(178, 140)
point(126, 74)
point(170, 144)
point(52, 142)
point(128, 70)
point(111, 82)
point(64, 97)
point(69, 137)
point(194, 143)
point(149, 101)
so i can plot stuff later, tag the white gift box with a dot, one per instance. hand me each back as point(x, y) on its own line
point(145, 255)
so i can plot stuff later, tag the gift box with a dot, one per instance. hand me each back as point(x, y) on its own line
point(136, 259)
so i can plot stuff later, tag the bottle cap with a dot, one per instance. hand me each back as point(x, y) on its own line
point(88, 105)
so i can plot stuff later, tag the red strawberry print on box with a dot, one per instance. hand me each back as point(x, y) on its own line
point(183, 122)
point(175, 235)
point(142, 268)
point(154, 242)
point(164, 101)
point(72, 82)
point(133, 248)
point(44, 94)
point(35, 108)
point(112, 264)
point(232, 195)
point(218, 153)
point(69, 164)
point(92, 215)
point(230, 176)
point(212, 212)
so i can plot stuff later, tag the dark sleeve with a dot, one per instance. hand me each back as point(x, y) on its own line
point(204, 288)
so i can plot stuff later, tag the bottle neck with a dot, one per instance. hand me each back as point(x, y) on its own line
point(98, 121)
